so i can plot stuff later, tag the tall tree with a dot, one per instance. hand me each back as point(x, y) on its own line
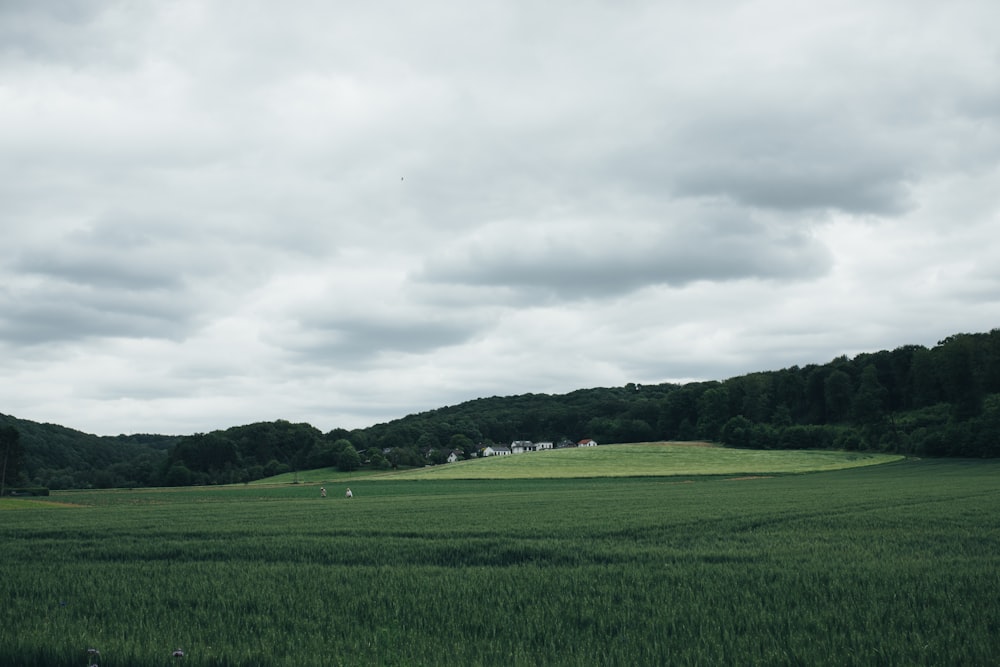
point(837, 395)
point(713, 412)
point(868, 405)
point(10, 440)
point(349, 459)
point(958, 366)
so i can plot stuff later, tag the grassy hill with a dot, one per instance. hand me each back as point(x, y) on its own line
point(648, 459)
point(942, 401)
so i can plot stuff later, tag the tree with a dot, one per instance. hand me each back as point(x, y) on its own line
point(737, 432)
point(755, 396)
point(870, 399)
point(463, 443)
point(957, 366)
point(378, 461)
point(837, 395)
point(925, 381)
point(678, 411)
point(178, 475)
point(348, 459)
point(428, 441)
point(713, 412)
point(323, 455)
point(10, 440)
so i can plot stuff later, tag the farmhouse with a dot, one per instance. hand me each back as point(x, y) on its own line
point(523, 446)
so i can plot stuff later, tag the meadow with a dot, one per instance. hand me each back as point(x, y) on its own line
point(657, 459)
point(893, 564)
point(645, 459)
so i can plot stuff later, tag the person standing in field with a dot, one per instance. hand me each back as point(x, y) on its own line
point(348, 494)
point(322, 492)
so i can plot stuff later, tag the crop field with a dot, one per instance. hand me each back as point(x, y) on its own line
point(894, 564)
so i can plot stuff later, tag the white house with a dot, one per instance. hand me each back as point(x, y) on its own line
point(521, 446)
point(587, 442)
point(539, 446)
point(496, 451)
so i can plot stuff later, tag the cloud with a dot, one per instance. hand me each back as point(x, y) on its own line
point(604, 259)
point(342, 213)
point(792, 163)
point(352, 341)
point(120, 278)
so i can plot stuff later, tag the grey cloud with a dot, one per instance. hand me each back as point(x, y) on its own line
point(71, 12)
point(119, 252)
point(776, 160)
point(51, 30)
point(791, 181)
point(112, 280)
point(64, 313)
point(352, 341)
point(101, 267)
point(621, 258)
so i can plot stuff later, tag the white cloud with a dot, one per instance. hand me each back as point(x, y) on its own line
point(343, 213)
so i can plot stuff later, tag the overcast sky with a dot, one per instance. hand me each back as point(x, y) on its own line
point(215, 213)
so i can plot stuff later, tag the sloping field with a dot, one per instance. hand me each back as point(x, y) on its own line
point(650, 459)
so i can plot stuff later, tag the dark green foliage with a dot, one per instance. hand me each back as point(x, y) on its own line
point(463, 443)
point(348, 459)
point(837, 395)
point(11, 456)
point(713, 412)
point(61, 458)
point(26, 491)
point(246, 453)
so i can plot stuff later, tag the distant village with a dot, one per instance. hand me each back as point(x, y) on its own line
point(517, 447)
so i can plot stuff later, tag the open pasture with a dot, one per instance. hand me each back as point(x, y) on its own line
point(653, 459)
point(897, 564)
point(647, 459)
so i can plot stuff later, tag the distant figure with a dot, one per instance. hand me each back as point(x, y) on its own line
point(349, 494)
point(322, 492)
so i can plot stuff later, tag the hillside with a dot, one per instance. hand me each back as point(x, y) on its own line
point(61, 457)
point(940, 401)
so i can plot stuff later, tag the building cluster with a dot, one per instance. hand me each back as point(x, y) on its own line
point(524, 446)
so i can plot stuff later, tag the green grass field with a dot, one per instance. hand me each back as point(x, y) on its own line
point(892, 564)
point(651, 459)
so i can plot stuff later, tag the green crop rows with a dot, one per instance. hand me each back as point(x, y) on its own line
point(897, 564)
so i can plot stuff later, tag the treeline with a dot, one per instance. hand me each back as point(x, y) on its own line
point(62, 458)
point(940, 401)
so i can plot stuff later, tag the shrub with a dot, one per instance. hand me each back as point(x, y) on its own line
point(27, 491)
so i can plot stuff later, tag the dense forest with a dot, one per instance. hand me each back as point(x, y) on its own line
point(940, 401)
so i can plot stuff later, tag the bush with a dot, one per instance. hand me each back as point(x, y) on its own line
point(805, 437)
point(27, 491)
